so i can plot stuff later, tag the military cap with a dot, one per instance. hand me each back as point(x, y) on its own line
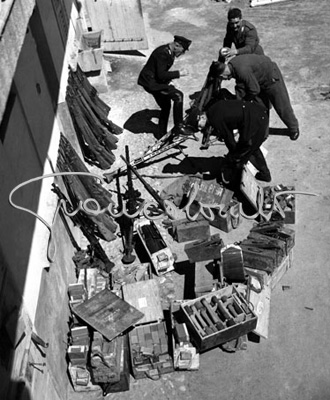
point(185, 43)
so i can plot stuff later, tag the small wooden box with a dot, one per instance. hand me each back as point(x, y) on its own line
point(204, 250)
point(266, 242)
point(278, 231)
point(185, 231)
point(150, 341)
point(258, 258)
point(233, 327)
point(229, 219)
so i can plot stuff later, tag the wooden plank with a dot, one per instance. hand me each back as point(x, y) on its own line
point(261, 307)
point(255, 3)
point(121, 22)
point(250, 187)
point(108, 314)
point(145, 296)
point(278, 274)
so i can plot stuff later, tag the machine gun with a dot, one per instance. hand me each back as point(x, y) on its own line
point(209, 94)
point(131, 196)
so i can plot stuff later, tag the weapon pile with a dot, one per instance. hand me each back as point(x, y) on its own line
point(81, 188)
point(95, 132)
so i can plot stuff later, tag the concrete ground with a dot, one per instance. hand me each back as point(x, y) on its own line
point(294, 362)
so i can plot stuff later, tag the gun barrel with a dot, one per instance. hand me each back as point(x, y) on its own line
point(150, 190)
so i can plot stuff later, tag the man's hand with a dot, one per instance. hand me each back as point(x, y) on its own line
point(184, 72)
point(231, 53)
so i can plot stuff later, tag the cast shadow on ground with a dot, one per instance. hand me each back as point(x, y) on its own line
point(194, 165)
point(188, 270)
point(141, 122)
point(279, 131)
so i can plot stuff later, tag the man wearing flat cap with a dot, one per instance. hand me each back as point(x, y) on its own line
point(156, 78)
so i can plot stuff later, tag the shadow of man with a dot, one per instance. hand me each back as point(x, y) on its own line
point(141, 122)
point(194, 165)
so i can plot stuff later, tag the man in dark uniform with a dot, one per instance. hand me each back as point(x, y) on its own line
point(251, 121)
point(155, 78)
point(242, 33)
point(259, 79)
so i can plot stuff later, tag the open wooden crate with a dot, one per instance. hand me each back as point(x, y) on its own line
point(235, 319)
point(150, 340)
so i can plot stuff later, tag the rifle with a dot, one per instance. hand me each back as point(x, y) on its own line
point(87, 229)
point(131, 196)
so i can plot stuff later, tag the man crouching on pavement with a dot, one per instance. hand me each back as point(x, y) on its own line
point(155, 78)
point(251, 120)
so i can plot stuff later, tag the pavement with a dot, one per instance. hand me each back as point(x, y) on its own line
point(294, 362)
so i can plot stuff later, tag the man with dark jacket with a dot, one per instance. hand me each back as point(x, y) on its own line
point(259, 79)
point(251, 121)
point(242, 33)
point(155, 78)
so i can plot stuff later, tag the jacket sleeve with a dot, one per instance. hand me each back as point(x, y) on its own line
point(162, 73)
point(228, 39)
point(251, 41)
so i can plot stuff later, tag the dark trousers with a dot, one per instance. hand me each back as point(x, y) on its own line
point(278, 95)
point(258, 121)
point(164, 98)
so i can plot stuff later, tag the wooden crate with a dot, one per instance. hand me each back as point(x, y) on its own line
point(160, 254)
point(204, 250)
point(280, 271)
point(108, 314)
point(228, 327)
point(261, 306)
point(186, 231)
point(149, 340)
point(124, 382)
point(207, 277)
point(228, 219)
point(185, 354)
point(275, 277)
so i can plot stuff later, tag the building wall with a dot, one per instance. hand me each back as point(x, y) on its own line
point(33, 295)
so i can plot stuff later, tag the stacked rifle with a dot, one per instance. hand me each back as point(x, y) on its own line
point(95, 132)
point(81, 188)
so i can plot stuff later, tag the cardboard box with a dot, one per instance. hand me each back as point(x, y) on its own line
point(227, 326)
point(150, 341)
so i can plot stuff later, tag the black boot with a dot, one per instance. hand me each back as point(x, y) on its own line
point(263, 176)
point(182, 130)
